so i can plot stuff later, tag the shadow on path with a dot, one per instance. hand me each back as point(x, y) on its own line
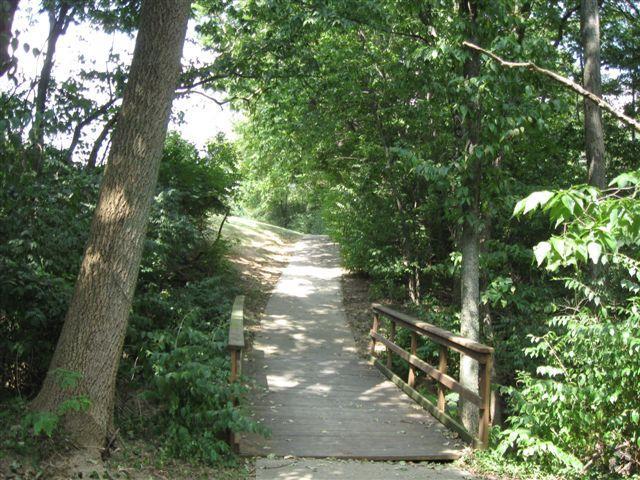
point(314, 394)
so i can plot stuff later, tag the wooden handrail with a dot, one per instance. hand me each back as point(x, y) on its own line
point(463, 345)
point(483, 354)
point(235, 345)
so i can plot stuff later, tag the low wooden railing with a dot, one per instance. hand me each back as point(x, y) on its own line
point(235, 345)
point(447, 340)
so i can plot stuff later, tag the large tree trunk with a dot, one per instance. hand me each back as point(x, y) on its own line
point(470, 239)
point(92, 337)
point(594, 136)
point(7, 11)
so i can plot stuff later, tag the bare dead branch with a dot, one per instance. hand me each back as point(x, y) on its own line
point(570, 84)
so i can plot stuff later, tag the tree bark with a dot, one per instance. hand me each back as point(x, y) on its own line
point(594, 136)
point(470, 239)
point(7, 12)
point(93, 333)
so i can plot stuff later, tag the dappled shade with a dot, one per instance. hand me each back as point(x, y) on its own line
point(314, 394)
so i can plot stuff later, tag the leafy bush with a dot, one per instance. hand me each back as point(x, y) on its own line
point(175, 354)
point(579, 413)
point(176, 349)
point(44, 222)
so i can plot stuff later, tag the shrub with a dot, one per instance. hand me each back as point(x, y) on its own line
point(579, 413)
point(44, 223)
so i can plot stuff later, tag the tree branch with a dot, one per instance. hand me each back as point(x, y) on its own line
point(570, 84)
point(563, 22)
point(106, 129)
point(77, 132)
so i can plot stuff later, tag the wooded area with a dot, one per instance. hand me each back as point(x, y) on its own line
point(476, 161)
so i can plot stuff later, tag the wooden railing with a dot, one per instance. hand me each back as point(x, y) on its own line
point(235, 346)
point(447, 340)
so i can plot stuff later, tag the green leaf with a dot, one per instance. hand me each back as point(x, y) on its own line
point(569, 203)
point(625, 179)
point(541, 251)
point(559, 245)
point(44, 422)
point(536, 199)
point(595, 251)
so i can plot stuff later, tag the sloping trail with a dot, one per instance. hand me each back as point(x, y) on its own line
point(315, 395)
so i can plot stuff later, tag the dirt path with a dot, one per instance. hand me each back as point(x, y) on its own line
point(259, 253)
point(330, 469)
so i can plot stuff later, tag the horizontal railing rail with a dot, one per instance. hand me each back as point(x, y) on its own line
point(235, 345)
point(483, 354)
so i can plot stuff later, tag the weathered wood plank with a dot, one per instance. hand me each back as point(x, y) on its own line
point(236, 324)
point(317, 398)
point(425, 403)
point(442, 368)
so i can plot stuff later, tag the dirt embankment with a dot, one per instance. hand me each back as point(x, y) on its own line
point(356, 300)
point(259, 253)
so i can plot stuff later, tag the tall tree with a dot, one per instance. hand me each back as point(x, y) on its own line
point(7, 11)
point(470, 238)
point(60, 16)
point(594, 136)
point(92, 337)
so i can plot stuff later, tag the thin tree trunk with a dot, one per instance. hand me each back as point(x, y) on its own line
point(93, 333)
point(7, 12)
point(470, 239)
point(58, 24)
point(594, 136)
point(224, 219)
point(77, 131)
point(633, 106)
point(104, 133)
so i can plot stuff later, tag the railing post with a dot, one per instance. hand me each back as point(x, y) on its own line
point(236, 364)
point(442, 368)
point(485, 394)
point(374, 329)
point(414, 350)
point(392, 337)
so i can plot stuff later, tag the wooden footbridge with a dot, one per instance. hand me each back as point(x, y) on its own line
point(319, 399)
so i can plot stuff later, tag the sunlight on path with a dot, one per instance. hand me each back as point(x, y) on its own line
point(314, 394)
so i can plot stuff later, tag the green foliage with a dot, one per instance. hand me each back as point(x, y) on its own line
point(44, 223)
point(177, 353)
point(578, 413)
point(44, 422)
point(174, 355)
point(204, 183)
